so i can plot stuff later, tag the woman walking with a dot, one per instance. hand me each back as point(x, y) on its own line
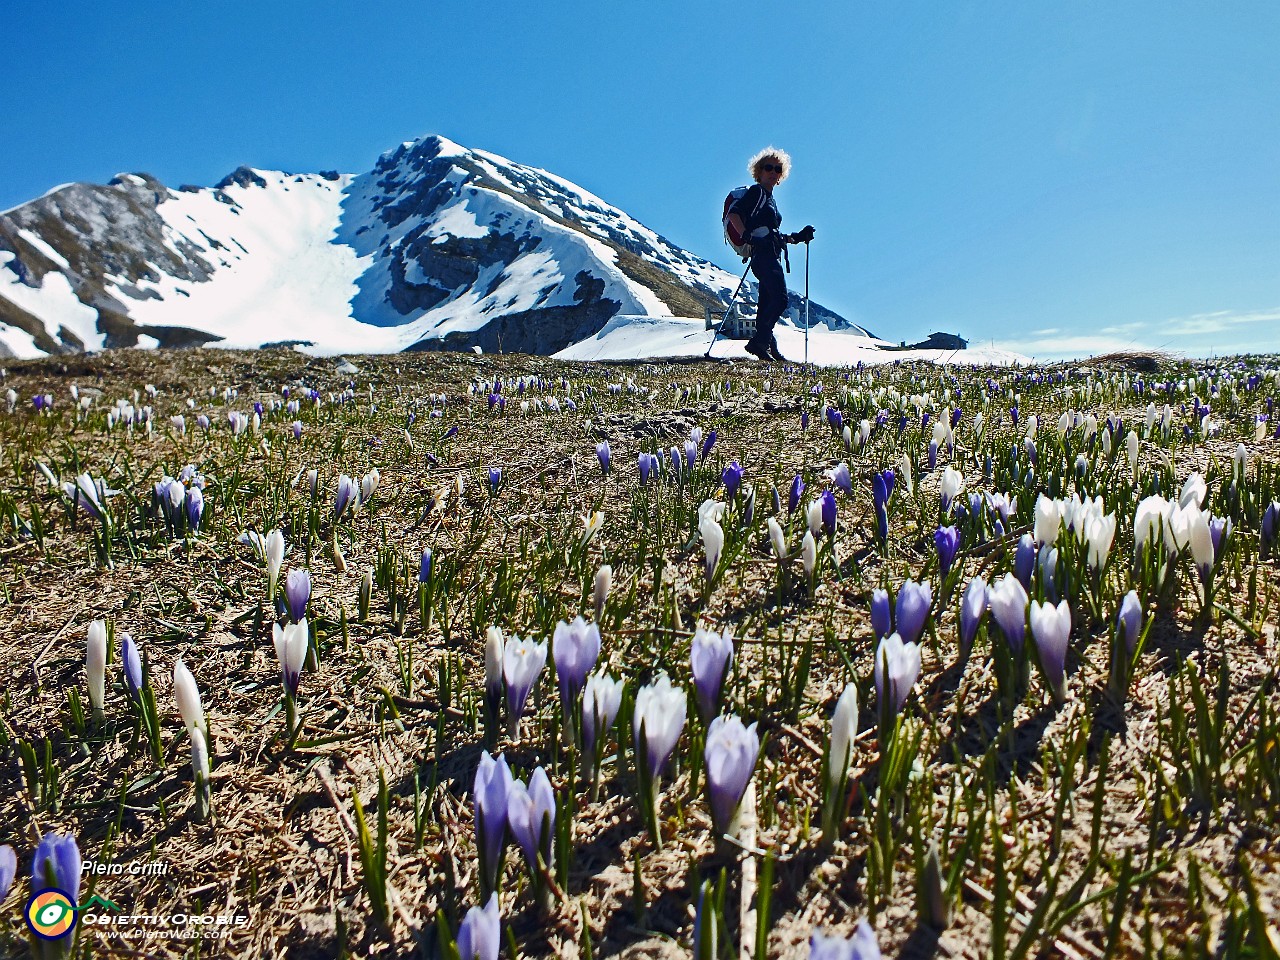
point(756, 219)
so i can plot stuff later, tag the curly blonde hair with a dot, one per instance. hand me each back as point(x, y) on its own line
point(769, 153)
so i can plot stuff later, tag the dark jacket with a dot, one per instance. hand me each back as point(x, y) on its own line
point(758, 211)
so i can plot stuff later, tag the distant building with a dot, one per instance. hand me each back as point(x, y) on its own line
point(736, 326)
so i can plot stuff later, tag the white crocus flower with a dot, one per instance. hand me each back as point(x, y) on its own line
point(187, 696)
point(844, 728)
point(96, 664)
point(777, 538)
point(274, 554)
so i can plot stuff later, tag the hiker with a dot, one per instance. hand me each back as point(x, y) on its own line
point(755, 219)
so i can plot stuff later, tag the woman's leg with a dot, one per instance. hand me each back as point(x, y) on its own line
point(772, 300)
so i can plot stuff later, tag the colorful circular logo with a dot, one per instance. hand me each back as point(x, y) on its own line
point(51, 914)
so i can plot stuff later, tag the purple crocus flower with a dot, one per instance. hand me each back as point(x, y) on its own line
point(1024, 562)
point(450, 433)
point(1013, 414)
point(914, 600)
point(889, 477)
point(297, 593)
point(57, 865)
point(131, 666)
point(492, 786)
point(1129, 620)
point(674, 456)
point(195, 508)
point(880, 496)
point(730, 755)
point(480, 935)
point(531, 815)
point(933, 454)
point(1051, 629)
point(804, 420)
point(495, 479)
point(8, 869)
point(710, 657)
point(732, 479)
point(1270, 523)
point(947, 541)
point(861, 946)
point(1008, 601)
point(646, 464)
point(897, 667)
point(881, 613)
point(575, 648)
point(708, 443)
point(829, 512)
point(297, 429)
point(841, 479)
point(347, 493)
point(1219, 530)
point(603, 455)
point(424, 566)
point(522, 663)
point(972, 608)
point(793, 496)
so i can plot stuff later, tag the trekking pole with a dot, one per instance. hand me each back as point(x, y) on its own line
point(806, 303)
point(727, 310)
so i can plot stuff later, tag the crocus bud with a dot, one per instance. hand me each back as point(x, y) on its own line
point(604, 583)
point(1007, 599)
point(710, 657)
point(273, 549)
point(131, 665)
point(489, 793)
point(8, 869)
point(972, 608)
point(861, 946)
point(712, 544)
point(844, 728)
point(1129, 620)
point(730, 754)
point(794, 493)
point(1051, 629)
point(914, 600)
point(952, 484)
point(777, 539)
point(659, 715)
point(346, 496)
point(1024, 561)
point(881, 613)
point(575, 647)
point(947, 542)
point(96, 664)
point(828, 503)
point(896, 669)
point(187, 695)
point(530, 811)
point(522, 663)
point(291, 650)
point(601, 699)
point(297, 593)
point(809, 553)
point(813, 516)
point(480, 935)
point(493, 650)
point(57, 865)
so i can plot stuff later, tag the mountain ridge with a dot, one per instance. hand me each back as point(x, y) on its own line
point(436, 247)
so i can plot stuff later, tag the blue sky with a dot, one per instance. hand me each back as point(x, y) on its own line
point(1060, 178)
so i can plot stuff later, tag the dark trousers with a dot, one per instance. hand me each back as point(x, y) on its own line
point(766, 267)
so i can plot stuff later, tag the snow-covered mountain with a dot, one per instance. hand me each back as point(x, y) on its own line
point(437, 247)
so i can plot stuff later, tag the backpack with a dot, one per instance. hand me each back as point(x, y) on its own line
point(735, 240)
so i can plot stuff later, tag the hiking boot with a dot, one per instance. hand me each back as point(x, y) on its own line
point(774, 352)
point(757, 349)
